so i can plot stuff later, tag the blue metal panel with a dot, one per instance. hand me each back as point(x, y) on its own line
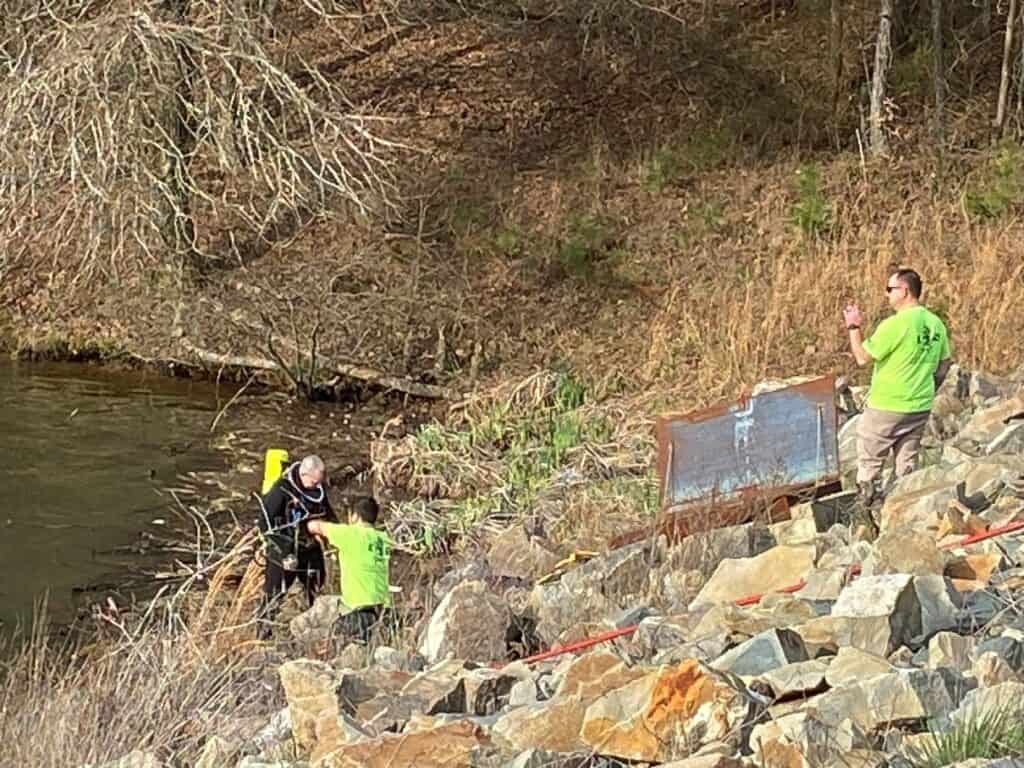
point(766, 446)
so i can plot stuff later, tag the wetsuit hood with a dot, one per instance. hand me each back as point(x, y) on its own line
point(314, 495)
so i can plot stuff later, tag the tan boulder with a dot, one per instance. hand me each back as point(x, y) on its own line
point(555, 725)
point(514, 554)
point(770, 571)
point(990, 669)
point(854, 665)
point(444, 746)
point(904, 550)
point(948, 649)
point(660, 716)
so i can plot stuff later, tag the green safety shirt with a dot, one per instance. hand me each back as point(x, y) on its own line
point(906, 348)
point(363, 557)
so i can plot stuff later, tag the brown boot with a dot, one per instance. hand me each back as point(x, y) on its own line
point(865, 528)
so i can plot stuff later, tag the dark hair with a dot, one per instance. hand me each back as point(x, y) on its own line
point(366, 508)
point(912, 280)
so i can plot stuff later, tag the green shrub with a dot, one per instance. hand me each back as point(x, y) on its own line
point(988, 735)
point(999, 188)
point(590, 244)
point(812, 213)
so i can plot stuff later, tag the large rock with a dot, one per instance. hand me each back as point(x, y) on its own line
point(907, 697)
point(1010, 649)
point(488, 690)
point(317, 623)
point(802, 679)
point(1005, 699)
point(986, 424)
point(880, 612)
point(768, 572)
point(664, 715)
point(798, 740)
point(514, 554)
point(555, 724)
point(904, 550)
point(705, 550)
point(947, 649)
point(469, 623)
point(990, 669)
point(761, 653)
point(940, 604)
point(853, 665)
point(597, 589)
point(444, 746)
point(309, 688)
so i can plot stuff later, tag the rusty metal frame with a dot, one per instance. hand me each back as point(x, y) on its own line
point(766, 499)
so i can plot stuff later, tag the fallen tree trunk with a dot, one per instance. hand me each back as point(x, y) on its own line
point(360, 373)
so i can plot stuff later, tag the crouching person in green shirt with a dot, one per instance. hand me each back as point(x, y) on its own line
point(364, 554)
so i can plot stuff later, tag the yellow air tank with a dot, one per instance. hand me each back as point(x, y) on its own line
point(274, 464)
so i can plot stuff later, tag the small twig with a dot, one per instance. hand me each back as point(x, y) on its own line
point(230, 402)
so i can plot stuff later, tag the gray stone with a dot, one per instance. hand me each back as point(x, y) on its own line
point(474, 570)
point(769, 650)
point(593, 591)
point(824, 585)
point(277, 731)
point(704, 551)
point(940, 605)
point(469, 623)
point(882, 613)
point(315, 624)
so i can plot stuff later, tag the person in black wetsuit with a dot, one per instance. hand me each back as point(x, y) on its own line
point(297, 497)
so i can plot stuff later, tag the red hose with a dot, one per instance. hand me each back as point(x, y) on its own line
point(854, 570)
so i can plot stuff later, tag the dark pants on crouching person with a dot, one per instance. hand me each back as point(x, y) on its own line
point(358, 623)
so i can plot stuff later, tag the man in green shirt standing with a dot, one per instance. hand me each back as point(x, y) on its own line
point(910, 352)
point(364, 555)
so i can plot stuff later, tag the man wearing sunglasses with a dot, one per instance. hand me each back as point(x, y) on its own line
point(910, 352)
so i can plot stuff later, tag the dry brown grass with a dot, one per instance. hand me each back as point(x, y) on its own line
point(160, 683)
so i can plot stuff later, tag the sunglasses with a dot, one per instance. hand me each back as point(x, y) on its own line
point(891, 288)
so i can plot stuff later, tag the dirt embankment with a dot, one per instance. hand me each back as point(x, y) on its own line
point(673, 205)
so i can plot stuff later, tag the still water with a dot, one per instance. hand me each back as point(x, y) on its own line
point(83, 456)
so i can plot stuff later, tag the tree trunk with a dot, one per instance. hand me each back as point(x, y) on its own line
point(883, 56)
point(835, 47)
point(939, 74)
point(178, 227)
point(986, 19)
point(1004, 82)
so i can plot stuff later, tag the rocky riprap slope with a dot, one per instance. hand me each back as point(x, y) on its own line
point(887, 643)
